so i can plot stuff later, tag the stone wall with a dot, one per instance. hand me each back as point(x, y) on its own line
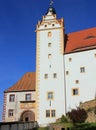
point(90, 107)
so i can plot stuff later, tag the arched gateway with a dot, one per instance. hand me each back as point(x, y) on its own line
point(27, 116)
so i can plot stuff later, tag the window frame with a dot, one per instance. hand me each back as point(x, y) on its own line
point(82, 69)
point(74, 93)
point(27, 98)
point(53, 113)
point(10, 112)
point(49, 44)
point(54, 75)
point(45, 76)
point(12, 98)
point(50, 34)
point(48, 113)
point(50, 95)
point(49, 56)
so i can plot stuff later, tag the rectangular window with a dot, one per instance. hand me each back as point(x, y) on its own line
point(54, 75)
point(28, 97)
point(50, 95)
point(75, 91)
point(49, 34)
point(11, 97)
point(47, 113)
point(70, 59)
point(10, 112)
point(67, 72)
point(49, 56)
point(53, 114)
point(82, 69)
point(49, 44)
point(46, 76)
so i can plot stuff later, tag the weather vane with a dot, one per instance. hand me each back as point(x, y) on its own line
point(51, 2)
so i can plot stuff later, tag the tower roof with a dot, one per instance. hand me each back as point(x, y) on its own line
point(26, 83)
point(51, 10)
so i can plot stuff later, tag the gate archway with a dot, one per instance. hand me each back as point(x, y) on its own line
point(27, 116)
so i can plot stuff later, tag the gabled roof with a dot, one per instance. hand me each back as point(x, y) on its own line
point(80, 41)
point(26, 83)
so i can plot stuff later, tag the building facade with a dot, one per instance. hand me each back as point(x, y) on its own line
point(64, 77)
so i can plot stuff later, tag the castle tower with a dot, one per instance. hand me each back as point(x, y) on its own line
point(50, 68)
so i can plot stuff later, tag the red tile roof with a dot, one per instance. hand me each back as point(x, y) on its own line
point(26, 83)
point(81, 40)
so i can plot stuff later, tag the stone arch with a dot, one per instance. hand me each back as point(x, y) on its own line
point(27, 115)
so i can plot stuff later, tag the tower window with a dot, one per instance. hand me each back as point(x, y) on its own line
point(50, 113)
point(11, 98)
point(49, 34)
point(45, 25)
point(75, 91)
point(67, 72)
point(50, 66)
point(28, 97)
point(53, 113)
point(95, 55)
point(49, 44)
point(53, 25)
point(82, 69)
point(10, 112)
point(54, 75)
point(46, 76)
point(50, 95)
point(47, 113)
point(49, 56)
point(77, 81)
point(70, 59)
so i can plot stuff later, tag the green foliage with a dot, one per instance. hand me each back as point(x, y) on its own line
point(78, 115)
point(64, 119)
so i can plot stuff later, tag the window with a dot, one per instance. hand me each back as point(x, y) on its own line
point(49, 34)
point(47, 113)
point(52, 113)
point(77, 81)
point(45, 25)
point(49, 66)
point(70, 59)
point(49, 44)
point(82, 69)
point(95, 55)
point(28, 97)
point(54, 75)
point(49, 56)
point(50, 95)
point(46, 76)
point(75, 91)
point(11, 98)
point(67, 72)
point(10, 112)
point(53, 25)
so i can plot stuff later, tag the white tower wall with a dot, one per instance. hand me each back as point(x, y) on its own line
point(50, 65)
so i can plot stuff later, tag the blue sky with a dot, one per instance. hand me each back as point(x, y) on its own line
point(18, 19)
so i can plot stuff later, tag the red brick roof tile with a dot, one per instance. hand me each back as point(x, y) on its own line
point(81, 40)
point(26, 83)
